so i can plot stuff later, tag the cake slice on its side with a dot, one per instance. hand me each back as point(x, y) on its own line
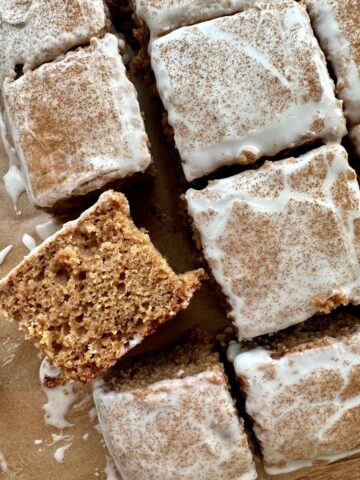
point(76, 123)
point(94, 290)
point(170, 416)
point(283, 241)
point(233, 87)
point(303, 392)
point(33, 32)
point(336, 24)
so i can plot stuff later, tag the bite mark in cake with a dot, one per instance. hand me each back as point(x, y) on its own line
point(94, 290)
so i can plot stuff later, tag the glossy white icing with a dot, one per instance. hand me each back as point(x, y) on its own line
point(281, 237)
point(336, 23)
point(163, 16)
point(59, 398)
point(29, 242)
point(304, 404)
point(61, 159)
point(47, 229)
point(4, 252)
point(14, 180)
point(60, 452)
point(36, 31)
point(110, 469)
point(139, 425)
point(3, 463)
point(14, 183)
point(233, 96)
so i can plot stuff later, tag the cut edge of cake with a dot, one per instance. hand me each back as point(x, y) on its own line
point(86, 369)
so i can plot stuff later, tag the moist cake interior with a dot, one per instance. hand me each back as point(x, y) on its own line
point(316, 331)
point(94, 290)
point(192, 355)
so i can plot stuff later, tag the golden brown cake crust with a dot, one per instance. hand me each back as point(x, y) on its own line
point(94, 290)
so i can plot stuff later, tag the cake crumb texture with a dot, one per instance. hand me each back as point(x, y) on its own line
point(94, 290)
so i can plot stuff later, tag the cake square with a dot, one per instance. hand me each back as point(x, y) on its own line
point(336, 24)
point(36, 31)
point(283, 241)
point(76, 123)
point(241, 87)
point(171, 416)
point(94, 290)
point(304, 397)
point(164, 16)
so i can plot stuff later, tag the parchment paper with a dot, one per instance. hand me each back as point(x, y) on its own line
point(156, 207)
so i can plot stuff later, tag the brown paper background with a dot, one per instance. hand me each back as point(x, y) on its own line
point(156, 207)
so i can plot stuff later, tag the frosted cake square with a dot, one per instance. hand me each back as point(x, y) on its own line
point(303, 393)
point(241, 87)
point(36, 31)
point(171, 416)
point(163, 16)
point(76, 123)
point(336, 23)
point(94, 290)
point(283, 241)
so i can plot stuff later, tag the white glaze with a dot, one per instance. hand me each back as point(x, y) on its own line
point(330, 21)
point(47, 229)
point(3, 463)
point(137, 427)
point(14, 183)
point(4, 252)
point(59, 398)
point(163, 16)
point(245, 220)
point(237, 112)
point(60, 452)
point(29, 242)
point(59, 437)
point(13, 180)
point(91, 158)
point(110, 469)
point(9, 149)
point(37, 31)
point(92, 415)
point(275, 391)
point(233, 350)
